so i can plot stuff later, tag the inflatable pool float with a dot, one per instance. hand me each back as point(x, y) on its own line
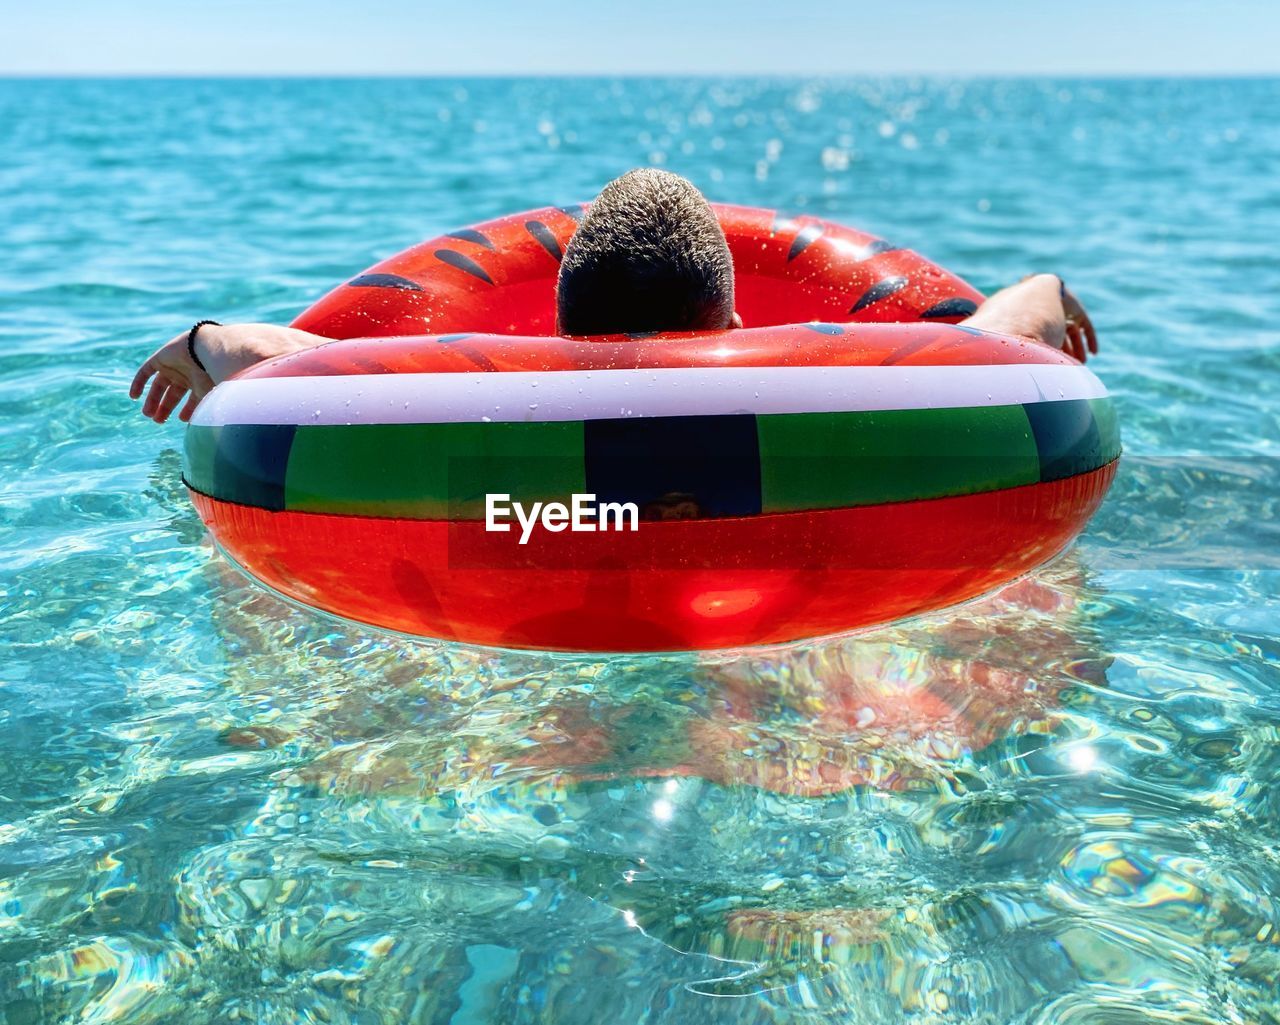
point(849, 457)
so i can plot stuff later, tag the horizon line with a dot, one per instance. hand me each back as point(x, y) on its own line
point(507, 74)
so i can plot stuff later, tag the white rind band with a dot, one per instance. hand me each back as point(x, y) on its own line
point(522, 397)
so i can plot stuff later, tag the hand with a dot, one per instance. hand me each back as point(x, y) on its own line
point(1041, 308)
point(225, 349)
point(1079, 328)
point(176, 375)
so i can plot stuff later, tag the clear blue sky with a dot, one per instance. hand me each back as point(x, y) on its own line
point(654, 36)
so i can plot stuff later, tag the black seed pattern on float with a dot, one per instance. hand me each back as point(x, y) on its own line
point(463, 263)
point(956, 307)
point(807, 237)
point(875, 248)
point(385, 281)
point(880, 290)
point(470, 235)
point(545, 238)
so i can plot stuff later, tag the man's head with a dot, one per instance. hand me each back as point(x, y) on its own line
point(649, 256)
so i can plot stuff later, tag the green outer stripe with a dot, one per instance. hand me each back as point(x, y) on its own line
point(199, 447)
point(431, 471)
point(1104, 415)
point(834, 460)
point(807, 460)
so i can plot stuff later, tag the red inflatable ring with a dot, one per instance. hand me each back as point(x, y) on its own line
point(848, 457)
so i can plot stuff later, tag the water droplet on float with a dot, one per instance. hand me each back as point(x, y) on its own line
point(533, 405)
point(486, 419)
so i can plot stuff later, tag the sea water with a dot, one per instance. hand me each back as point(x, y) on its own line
point(1056, 805)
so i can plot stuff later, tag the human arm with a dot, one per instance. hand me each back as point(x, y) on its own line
point(1042, 308)
point(224, 349)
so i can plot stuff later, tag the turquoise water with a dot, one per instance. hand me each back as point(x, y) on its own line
point(1057, 805)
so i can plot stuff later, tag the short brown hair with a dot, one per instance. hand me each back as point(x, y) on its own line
point(649, 256)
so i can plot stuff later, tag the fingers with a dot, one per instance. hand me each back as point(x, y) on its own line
point(140, 378)
point(169, 386)
point(1078, 321)
point(1091, 334)
point(1071, 342)
point(172, 396)
point(153, 365)
point(193, 400)
point(156, 392)
point(1082, 332)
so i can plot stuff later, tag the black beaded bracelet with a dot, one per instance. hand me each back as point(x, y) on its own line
point(191, 340)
